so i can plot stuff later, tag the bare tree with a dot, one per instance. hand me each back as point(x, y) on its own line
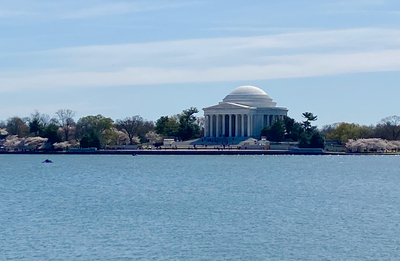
point(135, 126)
point(17, 126)
point(43, 119)
point(65, 121)
point(389, 128)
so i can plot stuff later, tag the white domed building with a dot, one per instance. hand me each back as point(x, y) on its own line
point(243, 113)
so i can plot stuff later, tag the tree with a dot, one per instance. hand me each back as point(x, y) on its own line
point(135, 126)
point(317, 141)
point(167, 126)
point(293, 129)
point(345, 131)
point(275, 132)
point(188, 128)
point(90, 140)
point(94, 126)
point(310, 138)
point(51, 133)
point(153, 137)
point(35, 127)
point(66, 121)
point(37, 122)
point(307, 123)
point(43, 119)
point(17, 126)
point(389, 128)
point(328, 129)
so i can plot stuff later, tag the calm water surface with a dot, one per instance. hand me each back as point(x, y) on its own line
point(200, 208)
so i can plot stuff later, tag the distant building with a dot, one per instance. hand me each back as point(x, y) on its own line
point(243, 113)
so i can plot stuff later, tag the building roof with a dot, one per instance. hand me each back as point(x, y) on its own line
point(250, 96)
point(247, 90)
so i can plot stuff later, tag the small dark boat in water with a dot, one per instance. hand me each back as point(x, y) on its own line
point(47, 161)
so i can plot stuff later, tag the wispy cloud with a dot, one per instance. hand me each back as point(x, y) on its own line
point(213, 52)
point(302, 54)
point(292, 66)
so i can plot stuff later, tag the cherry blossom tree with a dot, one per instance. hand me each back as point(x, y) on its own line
point(153, 137)
point(373, 144)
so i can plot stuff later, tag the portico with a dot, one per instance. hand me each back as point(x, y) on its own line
point(242, 113)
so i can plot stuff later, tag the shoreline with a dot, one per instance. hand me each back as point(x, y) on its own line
point(185, 152)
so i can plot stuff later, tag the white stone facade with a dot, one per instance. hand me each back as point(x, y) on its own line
point(242, 113)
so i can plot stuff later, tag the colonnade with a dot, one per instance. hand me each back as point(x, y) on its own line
point(235, 125)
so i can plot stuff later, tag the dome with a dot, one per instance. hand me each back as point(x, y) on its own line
point(247, 90)
point(250, 96)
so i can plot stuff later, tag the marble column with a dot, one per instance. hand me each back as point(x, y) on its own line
point(217, 125)
point(230, 125)
point(223, 125)
point(242, 118)
point(236, 125)
point(212, 125)
point(206, 125)
point(250, 125)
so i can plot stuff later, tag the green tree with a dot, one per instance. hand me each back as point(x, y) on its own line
point(167, 126)
point(345, 131)
point(317, 141)
point(94, 126)
point(293, 129)
point(307, 123)
point(188, 127)
point(38, 122)
point(90, 140)
point(310, 138)
point(275, 132)
point(51, 133)
point(35, 127)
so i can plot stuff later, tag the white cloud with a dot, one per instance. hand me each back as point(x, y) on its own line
point(302, 54)
point(290, 66)
point(206, 53)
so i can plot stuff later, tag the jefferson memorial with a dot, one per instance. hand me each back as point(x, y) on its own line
point(242, 113)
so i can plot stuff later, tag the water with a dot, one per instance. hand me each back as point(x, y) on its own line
point(199, 208)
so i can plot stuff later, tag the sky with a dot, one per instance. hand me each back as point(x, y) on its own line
point(337, 59)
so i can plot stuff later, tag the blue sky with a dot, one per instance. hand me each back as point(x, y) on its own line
point(337, 59)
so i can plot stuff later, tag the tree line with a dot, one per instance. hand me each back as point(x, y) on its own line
point(98, 131)
point(387, 129)
point(385, 134)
